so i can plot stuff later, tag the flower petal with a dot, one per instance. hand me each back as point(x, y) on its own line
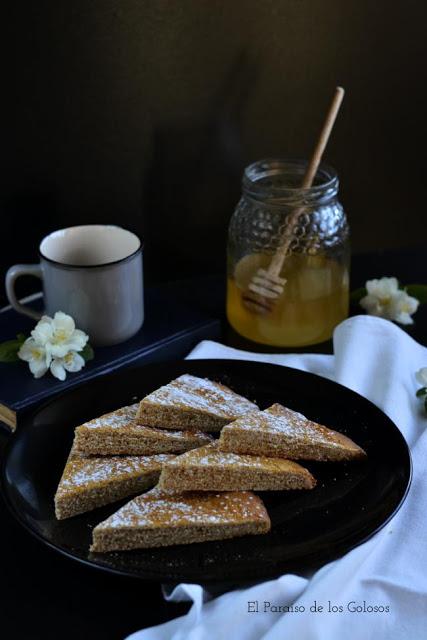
point(63, 324)
point(31, 351)
point(78, 340)
point(43, 330)
point(26, 351)
point(38, 367)
point(411, 303)
point(59, 350)
point(402, 306)
point(57, 369)
point(403, 318)
point(388, 287)
point(73, 362)
point(382, 287)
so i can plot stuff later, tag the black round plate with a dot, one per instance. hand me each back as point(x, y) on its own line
point(350, 502)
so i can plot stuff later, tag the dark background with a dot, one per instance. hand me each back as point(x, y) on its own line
point(145, 113)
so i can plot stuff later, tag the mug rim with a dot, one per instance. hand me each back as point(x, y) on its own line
point(66, 265)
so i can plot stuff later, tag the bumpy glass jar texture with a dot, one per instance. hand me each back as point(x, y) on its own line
point(316, 294)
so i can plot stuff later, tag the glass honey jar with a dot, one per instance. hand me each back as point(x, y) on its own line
point(315, 297)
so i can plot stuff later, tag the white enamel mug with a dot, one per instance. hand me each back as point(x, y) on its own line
point(93, 273)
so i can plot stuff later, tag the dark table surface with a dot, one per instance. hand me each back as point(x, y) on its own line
point(45, 595)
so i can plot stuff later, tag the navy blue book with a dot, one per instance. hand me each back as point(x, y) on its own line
point(169, 332)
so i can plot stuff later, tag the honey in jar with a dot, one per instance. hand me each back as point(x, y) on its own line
point(316, 293)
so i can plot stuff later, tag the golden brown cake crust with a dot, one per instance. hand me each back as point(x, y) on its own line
point(281, 432)
point(210, 469)
point(192, 403)
point(160, 519)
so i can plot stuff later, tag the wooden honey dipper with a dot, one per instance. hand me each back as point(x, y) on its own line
point(266, 285)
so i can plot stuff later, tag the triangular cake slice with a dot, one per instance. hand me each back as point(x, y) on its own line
point(158, 519)
point(117, 433)
point(192, 403)
point(89, 482)
point(284, 433)
point(210, 469)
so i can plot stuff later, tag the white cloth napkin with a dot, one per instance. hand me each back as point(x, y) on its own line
point(378, 360)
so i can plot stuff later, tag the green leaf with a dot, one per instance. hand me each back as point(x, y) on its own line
point(422, 392)
point(425, 404)
point(9, 350)
point(87, 353)
point(418, 291)
point(21, 337)
point(357, 295)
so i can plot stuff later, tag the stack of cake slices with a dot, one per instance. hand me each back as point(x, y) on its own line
point(203, 486)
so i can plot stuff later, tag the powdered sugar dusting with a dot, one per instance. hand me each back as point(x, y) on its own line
point(115, 419)
point(157, 508)
point(201, 394)
point(87, 472)
point(211, 456)
point(278, 419)
point(123, 419)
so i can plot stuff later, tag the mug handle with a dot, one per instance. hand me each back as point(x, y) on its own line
point(11, 276)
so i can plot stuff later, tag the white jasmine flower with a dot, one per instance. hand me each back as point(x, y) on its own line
point(386, 300)
point(421, 376)
point(36, 356)
point(380, 294)
point(54, 344)
point(65, 337)
point(72, 362)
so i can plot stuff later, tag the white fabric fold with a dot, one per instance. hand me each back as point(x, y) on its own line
point(378, 360)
